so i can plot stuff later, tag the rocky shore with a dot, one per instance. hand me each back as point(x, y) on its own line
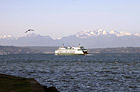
point(10, 83)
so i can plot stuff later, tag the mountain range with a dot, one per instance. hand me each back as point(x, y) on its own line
point(90, 39)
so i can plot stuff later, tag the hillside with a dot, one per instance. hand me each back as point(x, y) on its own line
point(116, 50)
point(5, 50)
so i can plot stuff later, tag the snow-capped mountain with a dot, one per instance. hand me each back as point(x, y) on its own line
point(100, 32)
point(86, 34)
point(137, 34)
point(90, 39)
point(7, 37)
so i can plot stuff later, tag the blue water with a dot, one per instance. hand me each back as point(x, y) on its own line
point(89, 73)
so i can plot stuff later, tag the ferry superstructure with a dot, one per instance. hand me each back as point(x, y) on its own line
point(80, 50)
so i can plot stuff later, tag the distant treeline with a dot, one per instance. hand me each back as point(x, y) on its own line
point(115, 50)
point(4, 50)
point(44, 49)
point(49, 49)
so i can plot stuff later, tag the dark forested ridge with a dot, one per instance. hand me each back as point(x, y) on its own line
point(115, 50)
point(4, 50)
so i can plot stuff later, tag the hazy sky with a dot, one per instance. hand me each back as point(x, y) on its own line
point(58, 18)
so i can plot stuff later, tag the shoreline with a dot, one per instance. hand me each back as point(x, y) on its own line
point(9, 83)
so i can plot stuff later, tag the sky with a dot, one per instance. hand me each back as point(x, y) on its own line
point(58, 18)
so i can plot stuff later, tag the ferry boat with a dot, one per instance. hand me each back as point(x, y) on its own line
point(80, 50)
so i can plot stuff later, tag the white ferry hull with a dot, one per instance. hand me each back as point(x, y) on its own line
point(70, 54)
point(70, 51)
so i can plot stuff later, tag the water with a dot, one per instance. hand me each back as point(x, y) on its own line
point(89, 73)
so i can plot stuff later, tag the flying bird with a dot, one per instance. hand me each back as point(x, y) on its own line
point(29, 30)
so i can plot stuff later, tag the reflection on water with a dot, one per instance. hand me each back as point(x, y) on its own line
point(96, 72)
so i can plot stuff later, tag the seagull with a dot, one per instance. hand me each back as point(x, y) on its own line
point(29, 30)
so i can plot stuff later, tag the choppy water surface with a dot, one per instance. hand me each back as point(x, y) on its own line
point(90, 73)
